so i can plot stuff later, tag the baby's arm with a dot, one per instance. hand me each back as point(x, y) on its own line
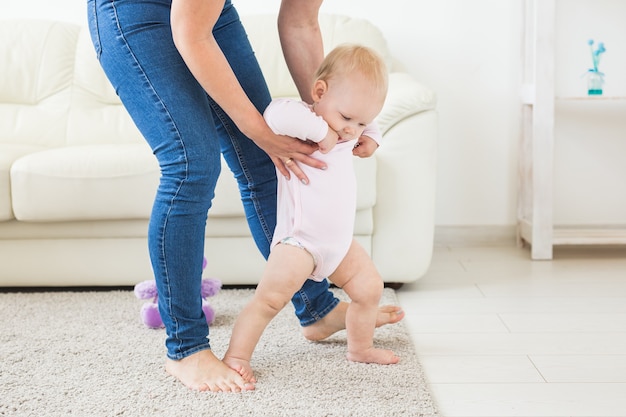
point(365, 147)
point(329, 141)
point(294, 118)
point(368, 142)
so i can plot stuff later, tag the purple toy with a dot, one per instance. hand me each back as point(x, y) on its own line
point(150, 315)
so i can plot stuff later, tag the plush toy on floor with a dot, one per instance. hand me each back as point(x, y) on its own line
point(150, 315)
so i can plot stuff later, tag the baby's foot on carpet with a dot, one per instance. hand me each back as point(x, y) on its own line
point(373, 355)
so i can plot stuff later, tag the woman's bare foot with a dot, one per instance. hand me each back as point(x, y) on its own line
point(241, 366)
point(202, 371)
point(373, 355)
point(336, 320)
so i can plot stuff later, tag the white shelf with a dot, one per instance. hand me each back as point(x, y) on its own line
point(591, 98)
point(580, 235)
point(536, 176)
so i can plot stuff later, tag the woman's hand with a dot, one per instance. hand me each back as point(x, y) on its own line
point(287, 152)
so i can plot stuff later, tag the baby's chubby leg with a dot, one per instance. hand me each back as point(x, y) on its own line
point(359, 278)
point(286, 270)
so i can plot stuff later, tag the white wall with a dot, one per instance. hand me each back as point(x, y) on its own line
point(469, 52)
point(67, 10)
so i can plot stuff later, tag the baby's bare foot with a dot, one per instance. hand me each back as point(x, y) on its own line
point(373, 355)
point(242, 367)
point(336, 321)
point(202, 371)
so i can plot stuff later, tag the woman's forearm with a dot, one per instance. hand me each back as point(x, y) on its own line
point(192, 29)
point(301, 40)
point(192, 24)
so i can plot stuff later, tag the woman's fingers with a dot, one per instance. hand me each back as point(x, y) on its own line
point(293, 167)
point(280, 165)
point(299, 153)
point(290, 165)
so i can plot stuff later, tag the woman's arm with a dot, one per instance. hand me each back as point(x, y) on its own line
point(192, 29)
point(301, 40)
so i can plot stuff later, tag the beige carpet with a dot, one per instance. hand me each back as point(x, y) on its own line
point(88, 354)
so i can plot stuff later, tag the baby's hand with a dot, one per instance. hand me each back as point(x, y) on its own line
point(329, 142)
point(365, 147)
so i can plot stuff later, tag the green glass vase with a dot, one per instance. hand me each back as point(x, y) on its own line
point(595, 82)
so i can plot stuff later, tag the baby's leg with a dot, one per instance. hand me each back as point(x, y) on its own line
point(358, 276)
point(286, 270)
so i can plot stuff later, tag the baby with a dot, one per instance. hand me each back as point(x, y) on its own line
point(313, 238)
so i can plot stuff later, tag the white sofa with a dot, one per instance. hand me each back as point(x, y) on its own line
point(77, 180)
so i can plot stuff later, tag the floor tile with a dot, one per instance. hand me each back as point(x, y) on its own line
point(501, 335)
point(479, 369)
point(565, 322)
point(511, 305)
point(518, 343)
point(545, 400)
point(581, 368)
point(537, 288)
point(457, 323)
point(444, 289)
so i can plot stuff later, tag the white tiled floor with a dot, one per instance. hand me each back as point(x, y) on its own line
point(500, 335)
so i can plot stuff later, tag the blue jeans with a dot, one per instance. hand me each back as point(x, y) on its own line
point(187, 132)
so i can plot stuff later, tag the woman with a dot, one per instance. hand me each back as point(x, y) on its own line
point(187, 75)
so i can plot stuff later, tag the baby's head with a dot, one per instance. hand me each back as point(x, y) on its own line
point(349, 89)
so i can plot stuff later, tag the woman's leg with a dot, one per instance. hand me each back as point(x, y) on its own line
point(172, 112)
point(133, 41)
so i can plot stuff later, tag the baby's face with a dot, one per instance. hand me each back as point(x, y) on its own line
point(349, 105)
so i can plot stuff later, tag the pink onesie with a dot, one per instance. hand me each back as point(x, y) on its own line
point(319, 216)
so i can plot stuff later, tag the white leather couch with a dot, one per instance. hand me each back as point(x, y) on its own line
point(77, 180)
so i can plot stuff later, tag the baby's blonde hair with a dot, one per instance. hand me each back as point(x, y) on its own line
point(348, 59)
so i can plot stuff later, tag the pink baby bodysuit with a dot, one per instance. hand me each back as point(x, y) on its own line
point(320, 215)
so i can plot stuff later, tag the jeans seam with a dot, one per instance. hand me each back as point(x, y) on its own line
point(315, 315)
point(244, 168)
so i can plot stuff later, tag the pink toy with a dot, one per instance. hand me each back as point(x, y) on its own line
point(150, 315)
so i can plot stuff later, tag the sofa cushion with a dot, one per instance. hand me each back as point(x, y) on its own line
point(37, 66)
point(91, 182)
point(9, 152)
point(112, 182)
point(95, 103)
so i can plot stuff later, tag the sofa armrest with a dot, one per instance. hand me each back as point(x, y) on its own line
point(405, 98)
point(402, 242)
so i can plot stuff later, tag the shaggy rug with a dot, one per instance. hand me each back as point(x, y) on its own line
point(88, 354)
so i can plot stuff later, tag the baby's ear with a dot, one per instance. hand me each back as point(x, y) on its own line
point(319, 89)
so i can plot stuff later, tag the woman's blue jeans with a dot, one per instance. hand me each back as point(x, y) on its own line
point(187, 132)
